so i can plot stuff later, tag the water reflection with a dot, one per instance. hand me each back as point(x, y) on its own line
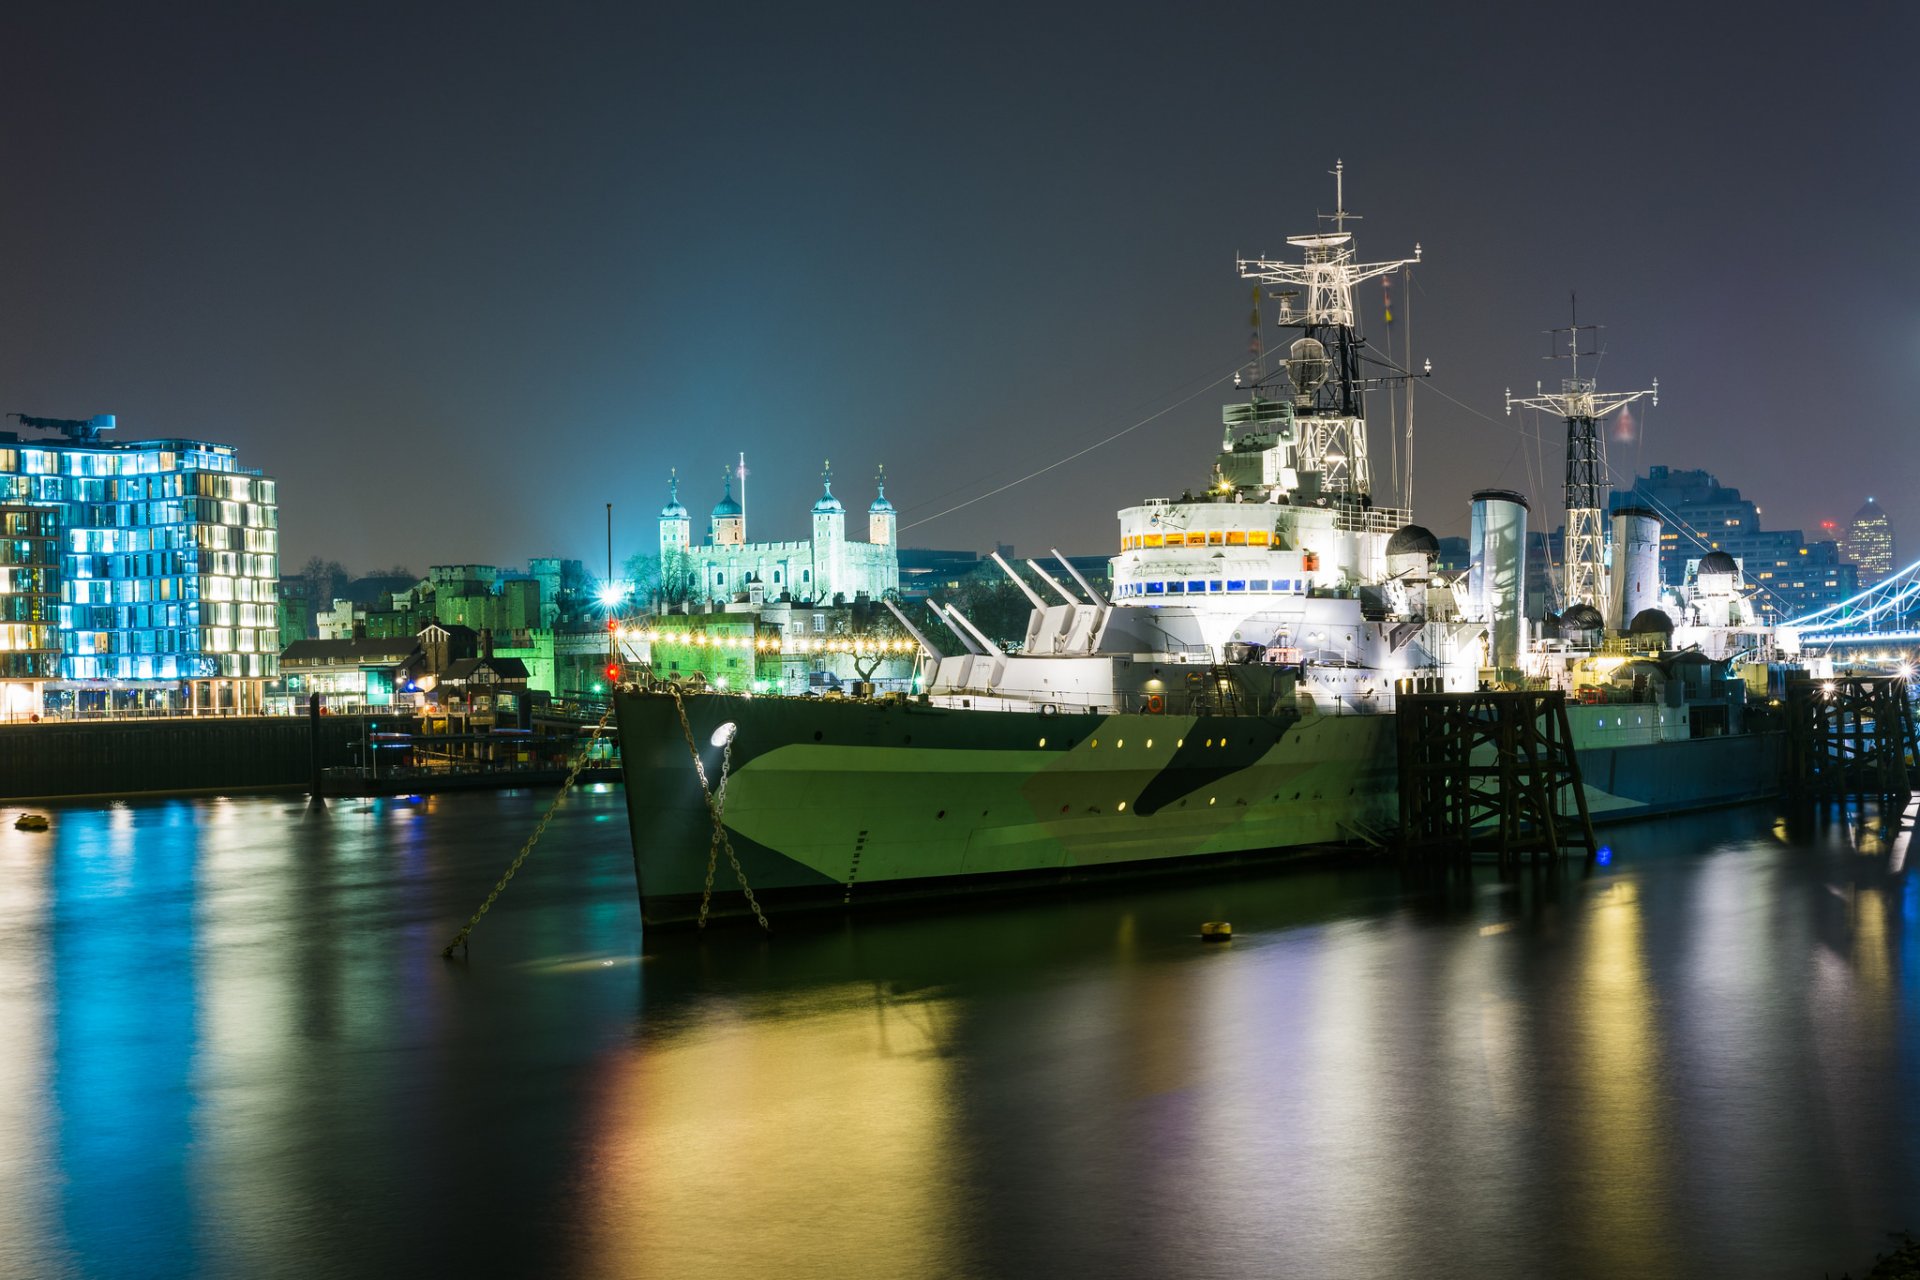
point(229, 1047)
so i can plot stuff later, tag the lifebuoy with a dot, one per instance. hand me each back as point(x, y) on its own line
point(1155, 704)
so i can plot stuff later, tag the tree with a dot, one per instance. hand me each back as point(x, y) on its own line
point(999, 609)
point(642, 569)
point(877, 636)
point(326, 581)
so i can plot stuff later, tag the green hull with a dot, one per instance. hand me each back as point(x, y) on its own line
point(846, 803)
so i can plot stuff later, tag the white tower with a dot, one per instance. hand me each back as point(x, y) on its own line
point(676, 526)
point(729, 522)
point(829, 540)
point(880, 516)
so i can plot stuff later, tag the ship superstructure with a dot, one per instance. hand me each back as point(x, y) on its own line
point(1277, 563)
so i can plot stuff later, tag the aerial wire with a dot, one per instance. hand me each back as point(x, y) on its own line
point(1078, 453)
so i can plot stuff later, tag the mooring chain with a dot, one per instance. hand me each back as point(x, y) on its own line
point(716, 798)
point(573, 774)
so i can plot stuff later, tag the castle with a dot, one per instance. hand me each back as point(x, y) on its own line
point(726, 567)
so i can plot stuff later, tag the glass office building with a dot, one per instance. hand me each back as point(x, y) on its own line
point(165, 567)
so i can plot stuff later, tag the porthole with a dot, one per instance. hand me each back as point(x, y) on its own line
point(1122, 808)
point(1121, 743)
point(1211, 799)
point(817, 735)
point(1149, 744)
point(1043, 742)
point(941, 814)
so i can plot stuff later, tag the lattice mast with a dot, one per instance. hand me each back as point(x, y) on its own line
point(1323, 364)
point(1583, 405)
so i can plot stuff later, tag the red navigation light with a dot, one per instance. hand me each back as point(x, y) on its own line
point(613, 672)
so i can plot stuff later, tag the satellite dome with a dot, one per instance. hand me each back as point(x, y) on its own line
point(1413, 540)
point(1650, 622)
point(1582, 617)
point(1718, 562)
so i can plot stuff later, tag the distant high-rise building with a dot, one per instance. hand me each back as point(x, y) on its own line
point(1788, 574)
point(1870, 542)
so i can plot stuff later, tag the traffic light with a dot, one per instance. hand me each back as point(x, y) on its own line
point(613, 673)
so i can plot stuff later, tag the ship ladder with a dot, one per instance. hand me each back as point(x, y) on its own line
point(716, 798)
point(573, 775)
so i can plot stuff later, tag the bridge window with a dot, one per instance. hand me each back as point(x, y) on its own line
point(1197, 539)
point(1256, 537)
point(1236, 537)
point(1258, 584)
point(1156, 588)
point(1215, 538)
point(1236, 584)
point(1150, 539)
point(1217, 585)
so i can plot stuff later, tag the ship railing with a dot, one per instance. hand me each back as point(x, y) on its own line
point(1349, 519)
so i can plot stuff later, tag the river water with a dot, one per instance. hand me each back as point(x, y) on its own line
point(229, 1046)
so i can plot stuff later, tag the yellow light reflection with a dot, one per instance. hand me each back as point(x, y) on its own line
point(810, 1142)
point(1625, 1183)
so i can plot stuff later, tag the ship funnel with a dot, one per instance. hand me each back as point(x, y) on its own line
point(1636, 566)
point(1496, 584)
point(1308, 366)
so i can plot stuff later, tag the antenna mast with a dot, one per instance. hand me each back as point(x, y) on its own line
point(1582, 405)
point(1324, 362)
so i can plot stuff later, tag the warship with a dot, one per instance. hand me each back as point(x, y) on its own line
point(1231, 695)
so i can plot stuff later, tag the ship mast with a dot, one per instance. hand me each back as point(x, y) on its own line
point(1582, 405)
point(1324, 362)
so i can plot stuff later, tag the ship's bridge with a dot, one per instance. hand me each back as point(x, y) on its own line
point(1227, 547)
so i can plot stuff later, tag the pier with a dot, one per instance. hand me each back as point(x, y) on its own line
point(1490, 770)
point(1850, 736)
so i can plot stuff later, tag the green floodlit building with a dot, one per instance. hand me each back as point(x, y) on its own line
point(134, 576)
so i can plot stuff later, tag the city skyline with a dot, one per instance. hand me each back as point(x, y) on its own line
point(384, 254)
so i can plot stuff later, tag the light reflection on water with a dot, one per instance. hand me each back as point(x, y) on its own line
point(229, 1047)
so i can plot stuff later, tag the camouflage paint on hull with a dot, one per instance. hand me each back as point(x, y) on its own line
point(833, 803)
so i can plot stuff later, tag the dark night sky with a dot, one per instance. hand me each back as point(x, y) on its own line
point(459, 276)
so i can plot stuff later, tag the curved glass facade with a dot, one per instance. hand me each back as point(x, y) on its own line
point(164, 562)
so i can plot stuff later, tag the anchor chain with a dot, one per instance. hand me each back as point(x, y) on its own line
point(573, 774)
point(716, 798)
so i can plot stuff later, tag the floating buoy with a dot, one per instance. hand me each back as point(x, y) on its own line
point(1216, 931)
point(31, 822)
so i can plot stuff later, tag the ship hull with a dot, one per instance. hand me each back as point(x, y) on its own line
point(833, 803)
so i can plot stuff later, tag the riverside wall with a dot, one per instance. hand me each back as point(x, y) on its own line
point(127, 757)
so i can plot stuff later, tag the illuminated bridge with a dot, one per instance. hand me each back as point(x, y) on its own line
point(1881, 622)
